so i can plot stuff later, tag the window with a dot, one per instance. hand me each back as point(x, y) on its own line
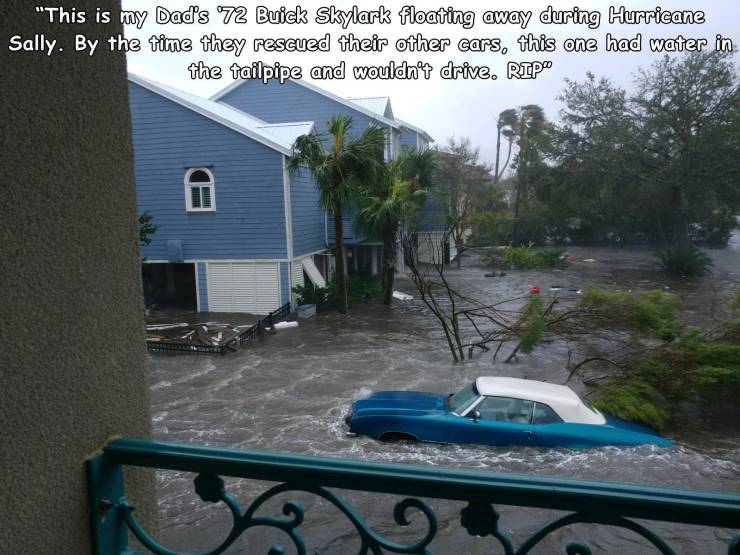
point(543, 414)
point(458, 402)
point(199, 190)
point(504, 409)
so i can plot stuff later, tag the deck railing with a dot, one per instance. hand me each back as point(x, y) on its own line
point(611, 504)
point(249, 334)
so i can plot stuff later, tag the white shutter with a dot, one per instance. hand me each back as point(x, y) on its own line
point(252, 287)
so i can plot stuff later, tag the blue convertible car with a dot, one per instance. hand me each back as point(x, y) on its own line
point(495, 411)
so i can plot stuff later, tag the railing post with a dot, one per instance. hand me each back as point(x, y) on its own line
point(105, 489)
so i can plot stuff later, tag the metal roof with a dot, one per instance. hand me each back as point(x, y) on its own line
point(380, 105)
point(559, 398)
point(279, 137)
point(350, 104)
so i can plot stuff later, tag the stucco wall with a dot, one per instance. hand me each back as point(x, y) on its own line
point(72, 357)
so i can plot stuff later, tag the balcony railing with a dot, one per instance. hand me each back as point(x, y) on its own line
point(606, 503)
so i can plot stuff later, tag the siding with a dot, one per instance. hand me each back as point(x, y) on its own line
point(408, 138)
point(285, 291)
point(249, 222)
point(202, 287)
point(308, 216)
point(350, 236)
point(432, 214)
point(276, 103)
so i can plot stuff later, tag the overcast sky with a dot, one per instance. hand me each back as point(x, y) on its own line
point(444, 108)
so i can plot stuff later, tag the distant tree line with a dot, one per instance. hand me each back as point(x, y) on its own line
point(657, 165)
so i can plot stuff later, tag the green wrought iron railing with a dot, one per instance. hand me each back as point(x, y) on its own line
point(606, 503)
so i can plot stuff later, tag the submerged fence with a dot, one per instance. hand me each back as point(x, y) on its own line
point(605, 503)
point(249, 334)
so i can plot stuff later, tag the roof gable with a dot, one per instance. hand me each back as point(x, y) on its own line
point(380, 105)
point(345, 102)
point(279, 137)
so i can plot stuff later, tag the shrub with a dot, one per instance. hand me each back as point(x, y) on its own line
point(635, 401)
point(358, 289)
point(526, 258)
point(491, 228)
point(651, 312)
point(683, 260)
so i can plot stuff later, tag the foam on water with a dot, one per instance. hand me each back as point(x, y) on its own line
point(290, 392)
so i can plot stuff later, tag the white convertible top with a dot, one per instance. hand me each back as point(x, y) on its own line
point(559, 398)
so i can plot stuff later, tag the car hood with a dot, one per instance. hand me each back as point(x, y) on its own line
point(400, 402)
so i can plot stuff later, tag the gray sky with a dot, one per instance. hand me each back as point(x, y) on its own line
point(442, 107)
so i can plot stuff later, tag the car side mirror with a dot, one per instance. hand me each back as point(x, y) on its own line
point(476, 415)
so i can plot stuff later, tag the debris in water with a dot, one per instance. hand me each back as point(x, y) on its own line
point(402, 296)
point(285, 325)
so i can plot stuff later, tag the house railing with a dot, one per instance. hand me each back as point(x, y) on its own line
point(606, 503)
point(249, 334)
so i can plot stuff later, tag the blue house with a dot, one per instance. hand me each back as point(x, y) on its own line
point(236, 232)
point(296, 100)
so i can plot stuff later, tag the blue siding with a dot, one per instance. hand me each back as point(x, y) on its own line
point(351, 237)
point(202, 287)
point(408, 138)
point(308, 216)
point(276, 103)
point(249, 222)
point(432, 214)
point(284, 283)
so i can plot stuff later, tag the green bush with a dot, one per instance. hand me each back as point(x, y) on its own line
point(534, 324)
point(636, 401)
point(490, 229)
point(651, 312)
point(683, 261)
point(526, 258)
point(715, 229)
point(358, 289)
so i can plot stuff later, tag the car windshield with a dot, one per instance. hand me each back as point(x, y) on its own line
point(457, 402)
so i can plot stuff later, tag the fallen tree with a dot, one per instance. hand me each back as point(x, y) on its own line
point(642, 360)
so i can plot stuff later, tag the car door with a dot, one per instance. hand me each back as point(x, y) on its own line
point(495, 421)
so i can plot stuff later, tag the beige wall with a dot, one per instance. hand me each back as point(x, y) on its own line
point(72, 355)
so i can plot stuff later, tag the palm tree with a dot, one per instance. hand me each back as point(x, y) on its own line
point(506, 125)
point(339, 164)
point(531, 124)
point(392, 202)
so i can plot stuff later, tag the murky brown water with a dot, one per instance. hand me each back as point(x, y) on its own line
point(289, 392)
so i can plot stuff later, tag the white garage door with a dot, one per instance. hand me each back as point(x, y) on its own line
point(252, 287)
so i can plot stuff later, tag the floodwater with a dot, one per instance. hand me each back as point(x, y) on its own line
point(289, 393)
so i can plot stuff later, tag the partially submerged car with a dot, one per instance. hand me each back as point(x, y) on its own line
point(495, 411)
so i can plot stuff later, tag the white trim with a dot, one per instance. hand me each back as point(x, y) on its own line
point(189, 185)
point(319, 90)
point(314, 253)
point(207, 260)
point(156, 88)
point(288, 226)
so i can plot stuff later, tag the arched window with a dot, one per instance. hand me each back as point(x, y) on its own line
point(200, 193)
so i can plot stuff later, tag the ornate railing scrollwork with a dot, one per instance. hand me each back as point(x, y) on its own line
point(586, 502)
point(210, 488)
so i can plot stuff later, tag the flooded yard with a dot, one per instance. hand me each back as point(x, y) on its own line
point(289, 392)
